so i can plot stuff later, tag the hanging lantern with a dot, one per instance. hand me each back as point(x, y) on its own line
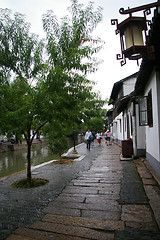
point(133, 36)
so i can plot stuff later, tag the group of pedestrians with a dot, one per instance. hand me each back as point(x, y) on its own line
point(90, 136)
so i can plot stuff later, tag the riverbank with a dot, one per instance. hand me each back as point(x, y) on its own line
point(8, 146)
point(14, 161)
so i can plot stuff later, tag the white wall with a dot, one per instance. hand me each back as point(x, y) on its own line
point(128, 86)
point(152, 133)
point(118, 128)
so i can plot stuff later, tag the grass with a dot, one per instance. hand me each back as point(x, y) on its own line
point(24, 183)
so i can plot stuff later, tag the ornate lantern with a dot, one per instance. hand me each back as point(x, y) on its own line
point(133, 36)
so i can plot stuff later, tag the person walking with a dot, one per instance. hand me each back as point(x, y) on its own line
point(88, 138)
point(108, 137)
point(92, 140)
point(98, 137)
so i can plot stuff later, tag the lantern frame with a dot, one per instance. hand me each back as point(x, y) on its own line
point(136, 50)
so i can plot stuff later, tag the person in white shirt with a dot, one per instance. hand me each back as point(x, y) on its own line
point(98, 136)
point(87, 138)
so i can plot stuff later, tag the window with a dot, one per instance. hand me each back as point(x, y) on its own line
point(149, 109)
point(145, 110)
point(131, 124)
point(128, 127)
point(120, 125)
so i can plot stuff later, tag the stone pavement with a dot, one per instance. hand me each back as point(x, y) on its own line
point(112, 199)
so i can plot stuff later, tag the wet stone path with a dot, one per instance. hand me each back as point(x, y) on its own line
point(132, 191)
point(105, 202)
point(21, 207)
point(136, 211)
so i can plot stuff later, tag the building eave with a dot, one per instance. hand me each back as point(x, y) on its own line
point(117, 86)
point(146, 69)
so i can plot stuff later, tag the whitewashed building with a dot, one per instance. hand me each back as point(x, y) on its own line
point(136, 114)
point(121, 123)
point(149, 111)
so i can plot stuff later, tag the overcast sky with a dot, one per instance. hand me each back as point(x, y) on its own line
point(110, 70)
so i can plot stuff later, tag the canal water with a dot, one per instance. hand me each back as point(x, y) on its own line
point(15, 161)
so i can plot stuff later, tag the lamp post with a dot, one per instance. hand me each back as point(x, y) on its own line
point(133, 34)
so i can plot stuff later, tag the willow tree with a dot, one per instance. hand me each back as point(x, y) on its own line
point(57, 93)
point(71, 50)
point(21, 67)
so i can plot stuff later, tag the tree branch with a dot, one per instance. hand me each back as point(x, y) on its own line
point(38, 130)
point(25, 135)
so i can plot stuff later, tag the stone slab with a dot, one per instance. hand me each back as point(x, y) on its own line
point(18, 237)
point(70, 198)
point(99, 185)
point(58, 206)
point(80, 190)
point(27, 234)
point(101, 199)
point(88, 180)
point(63, 211)
point(105, 215)
point(107, 225)
point(136, 213)
point(153, 193)
point(142, 226)
point(105, 170)
point(72, 230)
point(41, 235)
point(144, 173)
point(99, 176)
point(154, 173)
point(105, 164)
point(149, 181)
point(114, 189)
point(106, 196)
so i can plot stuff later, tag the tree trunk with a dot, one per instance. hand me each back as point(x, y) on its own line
point(29, 141)
point(29, 144)
point(74, 142)
point(29, 161)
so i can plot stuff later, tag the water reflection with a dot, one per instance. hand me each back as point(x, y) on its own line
point(15, 161)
